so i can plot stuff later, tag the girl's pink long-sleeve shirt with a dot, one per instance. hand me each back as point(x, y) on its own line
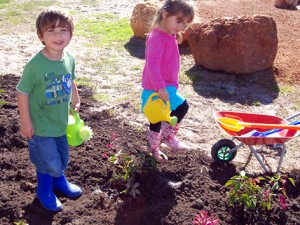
point(162, 61)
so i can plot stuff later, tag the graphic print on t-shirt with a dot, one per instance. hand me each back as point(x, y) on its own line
point(58, 88)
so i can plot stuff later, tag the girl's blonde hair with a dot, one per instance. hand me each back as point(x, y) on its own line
point(175, 7)
point(49, 17)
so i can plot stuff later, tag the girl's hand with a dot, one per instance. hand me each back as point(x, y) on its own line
point(163, 94)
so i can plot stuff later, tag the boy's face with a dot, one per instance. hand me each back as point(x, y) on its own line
point(56, 37)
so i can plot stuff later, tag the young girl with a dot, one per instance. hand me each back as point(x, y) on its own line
point(44, 92)
point(161, 71)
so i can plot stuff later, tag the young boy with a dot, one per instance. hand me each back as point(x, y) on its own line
point(44, 93)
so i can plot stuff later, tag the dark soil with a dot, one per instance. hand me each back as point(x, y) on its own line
point(172, 194)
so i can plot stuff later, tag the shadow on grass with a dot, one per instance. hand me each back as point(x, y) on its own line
point(249, 89)
point(136, 47)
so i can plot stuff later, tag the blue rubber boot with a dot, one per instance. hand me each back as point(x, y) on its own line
point(68, 189)
point(45, 194)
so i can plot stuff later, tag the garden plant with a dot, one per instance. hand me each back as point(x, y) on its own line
point(259, 192)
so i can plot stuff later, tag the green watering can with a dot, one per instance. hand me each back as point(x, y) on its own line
point(76, 131)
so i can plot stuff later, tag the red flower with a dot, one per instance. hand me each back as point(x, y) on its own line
point(266, 193)
point(105, 155)
point(109, 145)
point(283, 203)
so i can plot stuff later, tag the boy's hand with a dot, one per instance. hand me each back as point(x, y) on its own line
point(163, 94)
point(75, 100)
point(26, 124)
point(27, 130)
point(76, 106)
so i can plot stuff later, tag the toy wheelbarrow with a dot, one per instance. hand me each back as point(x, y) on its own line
point(240, 126)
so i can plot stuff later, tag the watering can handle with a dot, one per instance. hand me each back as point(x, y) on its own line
point(75, 114)
point(156, 94)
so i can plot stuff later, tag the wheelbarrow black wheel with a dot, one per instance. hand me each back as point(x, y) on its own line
point(220, 151)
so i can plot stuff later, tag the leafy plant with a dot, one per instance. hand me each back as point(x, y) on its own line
point(277, 183)
point(2, 102)
point(132, 187)
point(126, 167)
point(21, 222)
point(258, 192)
point(203, 218)
point(124, 170)
point(147, 160)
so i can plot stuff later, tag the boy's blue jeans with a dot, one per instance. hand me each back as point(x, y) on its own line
point(50, 155)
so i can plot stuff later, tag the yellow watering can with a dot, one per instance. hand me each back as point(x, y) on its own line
point(76, 131)
point(157, 110)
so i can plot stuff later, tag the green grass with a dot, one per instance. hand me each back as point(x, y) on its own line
point(256, 103)
point(286, 89)
point(105, 63)
point(136, 67)
point(183, 78)
point(193, 76)
point(295, 107)
point(105, 30)
point(2, 102)
point(20, 14)
point(100, 97)
point(4, 3)
point(84, 81)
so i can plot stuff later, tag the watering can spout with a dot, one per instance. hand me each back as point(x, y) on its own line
point(157, 110)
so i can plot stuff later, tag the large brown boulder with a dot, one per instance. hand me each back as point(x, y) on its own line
point(186, 33)
point(142, 18)
point(239, 45)
point(286, 4)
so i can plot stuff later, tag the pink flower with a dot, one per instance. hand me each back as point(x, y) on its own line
point(257, 180)
point(204, 219)
point(109, 145)
point(282, 202)
point(266, 193)
point(114, 135)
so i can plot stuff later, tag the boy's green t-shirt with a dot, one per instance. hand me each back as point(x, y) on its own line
point(48, 84)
